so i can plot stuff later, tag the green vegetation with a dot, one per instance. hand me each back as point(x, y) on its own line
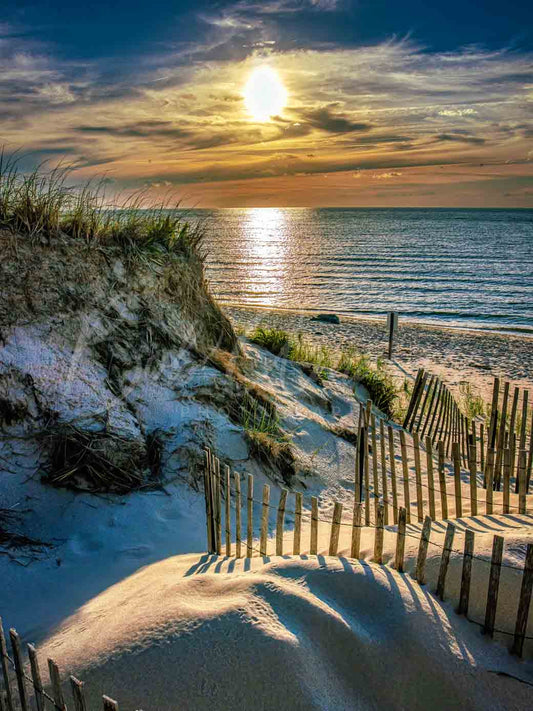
point(375, 378)
point(41, 203)
point(472, 405)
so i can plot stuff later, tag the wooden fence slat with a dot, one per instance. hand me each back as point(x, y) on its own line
point(264, 520)
point(530, 456)
point(227, 494)
point(445, 560)
point(436, 409)
point(297, 523)
point(78, 694)
point(57, 691)
point(109, 704)
point(491, 435)
point(3, 701)
point(418, 477)
point(506, 479)
point(218, 496)
point(207, 493)
point(522, 488)
point(413, 397)
point(394, 488)
point(423, 551)
point(378, 538)
point(501, 436)
point(494, 584)
point(489, 477)
point(36, 677)
point(19, 669)
point(280, 521)
point(335, 529)
point(238, 509)
point(356, 530)
point(482, 447)
point(456, 451)
point(417, 402)
point(384, 483)
point(313, 549)
point(250, 517)
point(466, 575)
point(400, 541)
point(442, 481)
point(5, 668)
point(430, 477)
point(424, 403)
point(430, 407)
point(472, 466)
point(405, 473)
point(375, 475)
point(524, 604)
point(367, 480)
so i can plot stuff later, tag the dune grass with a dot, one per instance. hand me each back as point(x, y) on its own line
point(42, 203)
point(375, 378)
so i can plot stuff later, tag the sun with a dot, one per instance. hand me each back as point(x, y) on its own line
point(264, 94)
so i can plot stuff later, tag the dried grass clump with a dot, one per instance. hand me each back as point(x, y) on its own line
point(94, 461)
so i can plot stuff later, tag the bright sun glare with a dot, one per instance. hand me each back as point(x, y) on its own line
point(264, 94)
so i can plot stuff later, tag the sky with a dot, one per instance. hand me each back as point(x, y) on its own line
point(410, 103)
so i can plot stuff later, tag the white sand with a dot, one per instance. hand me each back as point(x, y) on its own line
point(317, 633)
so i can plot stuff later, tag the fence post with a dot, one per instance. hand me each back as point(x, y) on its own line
point(264, 520)
point(228, 510)
point(392, 323)
point(472, 465)
point(5, 668)
point(431, 478)
point(423, 551)
point(378, 539)
point(405, 472)
point(525, 601)
point(335, 529)
point(457, 479)
point(393, 480)
point(400, 541)
point(442, 481)
point(218, 498)
point(444, 561)
point(57, 691)
point(314, 526)
point(466, 575)
point(250, 516)
point(78, 694)
point(494, 584)
point(356, 530)
point(489, 476)
point(207, 493)
point(418, 476)
point(506, 479)
point(384, 486)
point(522, 487)
point(297, 523)
point(109, 704)
point(36, 677)
point(375, 476)
point(280, 521)
point(19, 669)
point(238, 508)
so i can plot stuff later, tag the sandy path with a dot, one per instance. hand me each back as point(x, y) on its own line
point(455, 355)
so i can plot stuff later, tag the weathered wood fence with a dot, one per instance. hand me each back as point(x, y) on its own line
point(434, 412)
point(26, 691)
point(226, 486)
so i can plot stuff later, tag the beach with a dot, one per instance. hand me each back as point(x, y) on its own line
point(456, 355)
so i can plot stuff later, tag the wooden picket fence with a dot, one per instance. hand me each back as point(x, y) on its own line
point(433, 411)
point(16, 695)
point(219, 493)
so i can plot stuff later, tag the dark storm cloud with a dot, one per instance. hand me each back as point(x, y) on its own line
point(459, 137)
point(325, 119)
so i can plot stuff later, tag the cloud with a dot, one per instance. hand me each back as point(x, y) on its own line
point(325, 120)
point(460, 138)
point(387, 176)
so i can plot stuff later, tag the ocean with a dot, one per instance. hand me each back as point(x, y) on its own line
point(459, 267)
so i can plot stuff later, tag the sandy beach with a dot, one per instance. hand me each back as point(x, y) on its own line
point(456, 355)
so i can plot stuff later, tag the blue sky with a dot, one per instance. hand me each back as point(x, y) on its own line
point(388, 102)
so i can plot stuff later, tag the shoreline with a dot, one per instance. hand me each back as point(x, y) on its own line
point(456, 355)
